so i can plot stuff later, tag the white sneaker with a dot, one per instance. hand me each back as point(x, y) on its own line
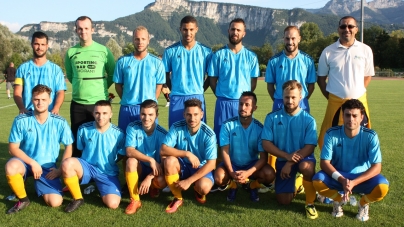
point(363, 213)
point(168, 104)
point(166, 189)
point(337, 209)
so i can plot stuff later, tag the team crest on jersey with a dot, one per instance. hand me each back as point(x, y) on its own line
point(280, 123)
point(140, 138)
point(281, 67)
point(29, 130)
point(234, 134)
point(179, 56)
point(89, 140)
point(339, 145)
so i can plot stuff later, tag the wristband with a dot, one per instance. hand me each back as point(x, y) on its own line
point(335, 175)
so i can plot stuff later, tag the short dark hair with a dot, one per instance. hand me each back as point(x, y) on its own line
point(39, 35)
point(40, 88)
point(81, 18)
point(188, 19)
point(237, 20)
point(292, 84)
point(353, 104)
point(193, 102)
point(103, 103)
point(288, 28)
point(149, 104)
point(250, 93)
point(348, 17)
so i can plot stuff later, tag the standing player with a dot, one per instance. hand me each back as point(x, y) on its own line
point(39, 70)
point(186, 61)
point(290, 135)
point(348, 65)
point(102, 144)
point(89, 67)
point(290, 64)
point(351, 161)
point(243, 156)
point(34, 143)
point(190, 150)
point(10, 78)
point(143, 142)
point(232, 70)
point(138, 76)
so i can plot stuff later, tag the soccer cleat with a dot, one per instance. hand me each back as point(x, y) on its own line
point(74, 205)
point(18, 206)
point(337, 210)
point(363, 212)
point(219, 188)
point(311, 211)
point(174, 205)
point(154, 192)
point(265, 188)
point(254, 195)
point(231, 196)
point(133, 206)
point(168, 104)
point(200, 198)
point(166, 189)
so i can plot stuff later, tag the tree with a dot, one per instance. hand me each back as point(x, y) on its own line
point(115, 48)
point(310, 32)
point(264, 53)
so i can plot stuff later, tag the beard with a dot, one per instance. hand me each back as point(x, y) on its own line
point(235, 42)
point(289, 109)
point(290, 49)
point(39, 55)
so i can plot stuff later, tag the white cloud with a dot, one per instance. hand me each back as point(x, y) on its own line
point(14, 27)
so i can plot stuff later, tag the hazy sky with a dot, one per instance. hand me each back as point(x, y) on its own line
point(16, 13)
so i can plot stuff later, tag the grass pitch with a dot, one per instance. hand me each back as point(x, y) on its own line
point(386, 111)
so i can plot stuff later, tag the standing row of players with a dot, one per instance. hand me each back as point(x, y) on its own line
point(232, 69)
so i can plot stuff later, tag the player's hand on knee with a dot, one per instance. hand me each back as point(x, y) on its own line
point(193, 159)
point(36, 170)
point(144, 186)
point(156, 167)
point(285, 172)
point(54, 173)
point(183, 185)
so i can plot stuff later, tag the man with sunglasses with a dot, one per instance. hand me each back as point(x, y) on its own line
point(348, 65)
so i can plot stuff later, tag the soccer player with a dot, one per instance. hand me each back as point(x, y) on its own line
point(138, 76)
point(244, 159)
point(348, 65)
point(186, 64)
point(10, 78)
point(351, 161)
point(102, 145)
point(290, 64)
point(290, 135)
point(89, 67)
point(232, 70)
point(190, 150)
point(34, 143)
point(143, 142)
point(39, 70)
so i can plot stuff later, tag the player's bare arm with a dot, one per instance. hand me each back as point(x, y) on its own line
point(253, 83)
point(18, 98)
point(60, 97)
point(168, 80)
point(310, 89)
point(213, 83)
point(275, 151)
point(170, 151)
point(15, 151)
point(307, 150)
point(119, 89)
point(322, 84)
point(208, 167)
point(227, 161)
point(158, 90)
point(271, 90)
point(54, 173)
point(367, 80)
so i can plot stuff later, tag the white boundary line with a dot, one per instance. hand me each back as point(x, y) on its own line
point(2, 107)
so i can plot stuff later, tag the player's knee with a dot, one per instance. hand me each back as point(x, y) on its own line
point(55, 202)
point(12, 167)
point(131, 164)
point(170, 161)
point(219, 176)
point(112, 203)
point(284, 199)
point(269, 173)
point(67, 164)
point(159, 182)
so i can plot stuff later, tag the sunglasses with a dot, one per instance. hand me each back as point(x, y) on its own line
point(349, 26)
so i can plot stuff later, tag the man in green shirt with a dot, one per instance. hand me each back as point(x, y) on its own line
point(90, 68)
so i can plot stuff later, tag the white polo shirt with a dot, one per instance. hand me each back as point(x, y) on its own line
point(346, 68)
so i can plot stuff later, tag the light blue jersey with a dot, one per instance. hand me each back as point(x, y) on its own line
point(351, 155)
point(147, 145)
point(29, 75)
point(234, 71)
point(187, 67)
point(101, 149)
point(290, 133)
point(202, 144)
point(139, 78)
point(280, 69)
point(245, 144)
point(41, 142)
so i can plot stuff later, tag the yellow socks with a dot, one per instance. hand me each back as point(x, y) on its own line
point(132, 179)
point(74, 187)
point(377, 194)
point(325, 191)
point(16, 183)
point(232, 185)
point(310, 192)
point(255, 184)
point(171, 184)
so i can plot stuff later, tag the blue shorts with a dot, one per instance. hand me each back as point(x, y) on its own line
point(146, 170)
point(365, 187)
point(224, 109)
point(187, 171)
point(105, 184)
point(288, 185)
point(176, 109)
point(43, 185)
point(128, 114)
point(304, 104)
point(237, 168)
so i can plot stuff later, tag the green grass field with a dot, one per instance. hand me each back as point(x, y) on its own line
point(386, 106)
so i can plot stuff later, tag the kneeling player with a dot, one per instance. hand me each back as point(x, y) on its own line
point(240, 142)
point(351, 161)
point(34, 142)
point(143, 143)
point(290, 135)
point(190, 147)
point(102, 145)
